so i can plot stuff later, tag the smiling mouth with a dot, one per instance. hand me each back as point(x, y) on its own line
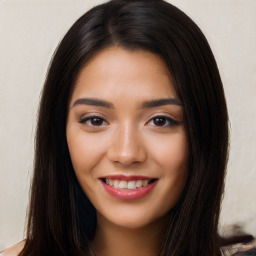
point(128, 187)
point(128, 184)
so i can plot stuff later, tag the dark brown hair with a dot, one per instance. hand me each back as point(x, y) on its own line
point(61, 220)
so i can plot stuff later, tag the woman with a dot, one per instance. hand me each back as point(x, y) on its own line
point(132, 138)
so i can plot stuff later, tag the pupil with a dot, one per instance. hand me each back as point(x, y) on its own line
point(159, 121)
point(96, 121)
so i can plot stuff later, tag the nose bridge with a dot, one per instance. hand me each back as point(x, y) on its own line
point(127, 147)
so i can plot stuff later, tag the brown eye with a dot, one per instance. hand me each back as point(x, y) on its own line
point(163, 121)
point(93, 121)
point(159, 121)
point(96, 121)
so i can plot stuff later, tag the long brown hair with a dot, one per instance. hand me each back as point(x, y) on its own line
point(61, 220)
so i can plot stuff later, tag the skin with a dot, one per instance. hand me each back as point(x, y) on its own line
point(14, 250)
point(127, 139)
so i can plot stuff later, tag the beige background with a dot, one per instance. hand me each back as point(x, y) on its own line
point(29, 33)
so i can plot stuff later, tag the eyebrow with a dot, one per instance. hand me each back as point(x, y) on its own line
point(161, 102)
point(93, 102)
point(146, 104)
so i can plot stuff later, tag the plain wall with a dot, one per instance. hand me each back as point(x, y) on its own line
point(29, 32)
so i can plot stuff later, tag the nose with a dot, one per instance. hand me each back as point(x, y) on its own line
point(127, 146)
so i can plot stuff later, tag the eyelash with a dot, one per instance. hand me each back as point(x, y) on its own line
point(171, 121)
point(165, 119)
point(90, 118)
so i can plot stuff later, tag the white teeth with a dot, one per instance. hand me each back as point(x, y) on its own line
point(123, 184)
point(116, 183)
point(131, 184)
point(145, 183)
point(138, 183)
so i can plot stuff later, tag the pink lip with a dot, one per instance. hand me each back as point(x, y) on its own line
point(127, 178)
point(129, 194)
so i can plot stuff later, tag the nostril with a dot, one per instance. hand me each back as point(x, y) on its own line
point(127, 153)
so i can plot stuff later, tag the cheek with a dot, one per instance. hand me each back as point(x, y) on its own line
point(85, 151)
point(171, 156)
point(175, 161)
point(171, 152)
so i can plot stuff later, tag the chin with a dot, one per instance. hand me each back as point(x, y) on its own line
point(135, 223)
point(131, 220)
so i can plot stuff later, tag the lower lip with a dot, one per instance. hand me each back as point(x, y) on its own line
point(129, 194)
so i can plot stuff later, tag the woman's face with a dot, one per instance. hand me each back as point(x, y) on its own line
point(126, 137)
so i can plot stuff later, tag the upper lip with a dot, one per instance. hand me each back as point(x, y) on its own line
point(127, 178)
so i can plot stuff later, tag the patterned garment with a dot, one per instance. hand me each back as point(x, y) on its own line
point(240, 249)
point(250, 252)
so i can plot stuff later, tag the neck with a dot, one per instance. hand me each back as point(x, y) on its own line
point(113, 240)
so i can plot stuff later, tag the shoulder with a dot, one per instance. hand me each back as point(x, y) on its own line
point(14, 250)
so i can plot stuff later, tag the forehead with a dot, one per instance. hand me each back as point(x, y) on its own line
point(120, 72)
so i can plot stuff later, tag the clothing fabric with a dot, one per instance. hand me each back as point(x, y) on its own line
point(240, 249)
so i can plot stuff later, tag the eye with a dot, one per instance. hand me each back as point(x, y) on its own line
point(162, 121)
point(95, 121)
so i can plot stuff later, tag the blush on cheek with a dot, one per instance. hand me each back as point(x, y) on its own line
point(172, 158)
point(85, 149)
